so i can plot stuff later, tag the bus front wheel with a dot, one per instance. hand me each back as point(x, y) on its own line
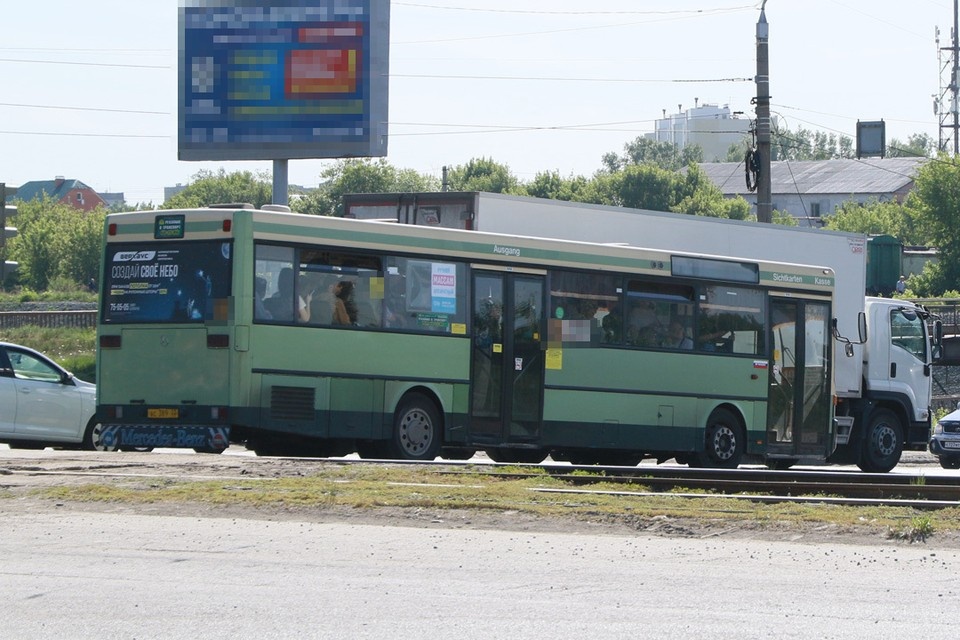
point(417, 430)
point(724, 442)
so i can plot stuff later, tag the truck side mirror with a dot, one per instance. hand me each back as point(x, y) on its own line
point(936, 346)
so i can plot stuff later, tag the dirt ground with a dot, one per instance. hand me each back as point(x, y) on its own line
point(21, 472)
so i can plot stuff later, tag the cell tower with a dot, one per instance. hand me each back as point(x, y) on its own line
point(946, 104)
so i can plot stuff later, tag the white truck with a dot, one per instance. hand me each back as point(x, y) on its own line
point(884, 349)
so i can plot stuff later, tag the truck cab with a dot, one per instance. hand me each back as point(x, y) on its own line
point(894, 411)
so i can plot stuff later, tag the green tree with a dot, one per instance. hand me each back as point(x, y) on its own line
point(57, 241)
point(550, 185)
point(665, 155)
point(359, 176)
point(483, 174)
point(647, 186)
point(901, 221)
point(805, 144)
point(937, 202)
point(221, 187)
point(918, 145)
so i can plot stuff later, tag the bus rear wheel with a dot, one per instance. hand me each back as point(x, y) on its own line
point(883, 444)
point(417, 430)
point(724, 442)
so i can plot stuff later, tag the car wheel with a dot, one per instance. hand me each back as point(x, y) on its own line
point(950, 462)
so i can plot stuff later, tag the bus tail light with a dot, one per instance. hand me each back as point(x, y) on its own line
point(110, 342)
point(227, 225)
point(218, 341)
point(113, 413)
point(112, 229)
point(218, 413)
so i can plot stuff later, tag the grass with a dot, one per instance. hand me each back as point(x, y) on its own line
point(368, 488)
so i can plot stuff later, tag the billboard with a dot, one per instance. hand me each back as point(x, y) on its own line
point(283, 79)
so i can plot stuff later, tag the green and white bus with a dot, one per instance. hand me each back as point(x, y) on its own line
point(307, 335)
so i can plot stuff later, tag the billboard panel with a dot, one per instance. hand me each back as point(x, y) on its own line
point(283, 79)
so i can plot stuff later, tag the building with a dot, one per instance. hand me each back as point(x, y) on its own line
point(169, 192)
point(70, 192)
point(808, 190)
point(114, 199)
point(712, 127)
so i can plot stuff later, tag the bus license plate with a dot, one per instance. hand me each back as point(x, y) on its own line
point(163, 413)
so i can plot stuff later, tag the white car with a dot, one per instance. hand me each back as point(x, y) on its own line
point(44, 405)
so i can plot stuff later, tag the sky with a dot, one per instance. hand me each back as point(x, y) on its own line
point(89, 89)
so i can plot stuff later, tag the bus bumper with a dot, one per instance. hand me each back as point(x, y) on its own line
point(214, 439)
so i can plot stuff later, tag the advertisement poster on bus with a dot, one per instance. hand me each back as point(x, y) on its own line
point(185, 282)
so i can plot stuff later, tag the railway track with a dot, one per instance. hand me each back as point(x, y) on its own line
point(758, 485)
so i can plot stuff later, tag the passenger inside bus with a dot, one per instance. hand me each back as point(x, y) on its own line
point(280, 304)
point(344, 306)
point(643, 326)
point(677, 337)
point(259, 293)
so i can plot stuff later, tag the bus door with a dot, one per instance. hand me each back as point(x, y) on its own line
point(508, 362)
point(799, 416)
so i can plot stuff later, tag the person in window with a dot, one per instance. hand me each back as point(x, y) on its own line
point(643, 326)
point(344, 307)
point(259, 293)
point(280, 304)
point(677, 337)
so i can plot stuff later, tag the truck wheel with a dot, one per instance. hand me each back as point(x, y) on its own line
point(417, 430)
point(724, 442)
point(94, 438)
point(882, 443)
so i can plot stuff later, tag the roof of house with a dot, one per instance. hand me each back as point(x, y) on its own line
point(34, 190)
point(867, 176)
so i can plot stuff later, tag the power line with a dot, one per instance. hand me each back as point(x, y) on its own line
point(95, 109)
point(82, 135)
point(575, 13)
point(88, 64)
point(527, 34)
point(557, 79)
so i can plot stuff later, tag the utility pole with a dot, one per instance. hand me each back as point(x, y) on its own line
point(762, 101)
point(954, 80)
point(946, 108)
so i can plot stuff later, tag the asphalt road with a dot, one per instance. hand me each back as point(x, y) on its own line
point(69, 574)
point(107, 572)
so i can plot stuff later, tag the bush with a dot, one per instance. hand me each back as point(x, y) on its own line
point(82, 366)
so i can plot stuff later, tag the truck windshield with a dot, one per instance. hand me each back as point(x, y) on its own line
point(166, 282)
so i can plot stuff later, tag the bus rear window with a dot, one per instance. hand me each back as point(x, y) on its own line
point(166, 282)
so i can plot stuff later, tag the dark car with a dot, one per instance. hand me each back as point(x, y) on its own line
point(945, 441)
